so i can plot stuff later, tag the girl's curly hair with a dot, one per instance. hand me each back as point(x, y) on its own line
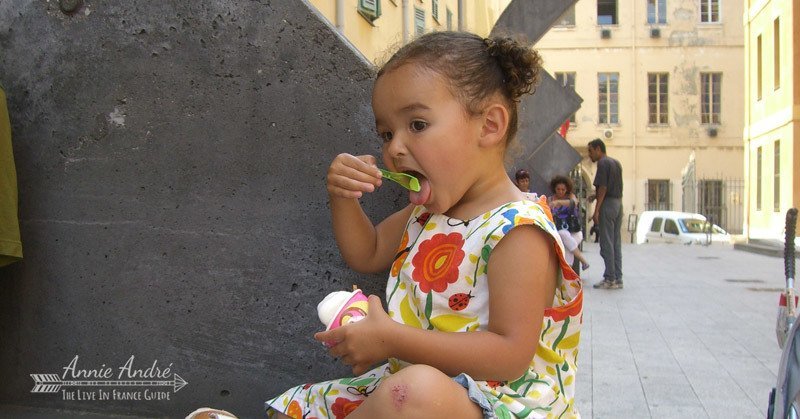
point(475, 68)
point(558, 180)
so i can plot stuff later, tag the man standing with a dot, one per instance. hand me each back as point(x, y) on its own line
point(608, 213)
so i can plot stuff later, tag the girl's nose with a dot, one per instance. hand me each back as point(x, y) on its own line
point(396, 147)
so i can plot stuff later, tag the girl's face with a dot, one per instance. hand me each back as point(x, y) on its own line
point(561, 190)
point(428, 133)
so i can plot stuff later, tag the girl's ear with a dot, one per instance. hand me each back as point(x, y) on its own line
point(495, 124)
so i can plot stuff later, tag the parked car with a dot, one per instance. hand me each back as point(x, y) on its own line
point(677, 227)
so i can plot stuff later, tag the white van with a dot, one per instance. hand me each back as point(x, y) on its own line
point(677, 227)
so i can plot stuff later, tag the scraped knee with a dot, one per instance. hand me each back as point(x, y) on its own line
point(416, 389)
point(399, 394)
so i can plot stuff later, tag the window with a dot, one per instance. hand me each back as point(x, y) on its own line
point(370, 9)
point(657, 98)
point(776, 54)
point(435, 9)
point(710, 87)
point(419, 21)
point(658, 195)
point(758, 179)
point(656, 227)
point(449, 19)
point(567, 79)
point(709, 11)
point(656, 11)
point(671, 227)
point(608, 98)
point(758, 67)
point(567, 18)
point(776, 176)
point(606, 12)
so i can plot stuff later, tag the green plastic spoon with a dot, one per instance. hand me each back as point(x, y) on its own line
point(407, 181)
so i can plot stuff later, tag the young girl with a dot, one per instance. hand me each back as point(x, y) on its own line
point(563, 205)
point(483, 314)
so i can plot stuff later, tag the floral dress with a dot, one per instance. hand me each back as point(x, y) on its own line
point(438, 281)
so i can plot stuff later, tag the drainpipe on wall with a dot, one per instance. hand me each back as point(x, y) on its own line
point(747, 128)
point(460, 15)
point(633, 105)
point(340, 16)
point(405, 12)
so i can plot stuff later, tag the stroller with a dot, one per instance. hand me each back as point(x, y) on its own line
point(784, 399)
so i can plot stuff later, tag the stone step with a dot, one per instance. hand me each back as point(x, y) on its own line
point(762, 247)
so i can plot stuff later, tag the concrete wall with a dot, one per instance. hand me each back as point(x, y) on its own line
point(171, 159)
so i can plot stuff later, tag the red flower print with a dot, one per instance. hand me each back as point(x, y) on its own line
point(436, 262)
point(343, 407)
point(572, 309)
point(400, 257)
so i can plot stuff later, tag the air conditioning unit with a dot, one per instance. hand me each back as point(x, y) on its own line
point(712, 131)
point(605, 33)
point(655, 32)
point(608, 134)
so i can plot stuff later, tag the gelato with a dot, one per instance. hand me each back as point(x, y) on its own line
point(341, 307)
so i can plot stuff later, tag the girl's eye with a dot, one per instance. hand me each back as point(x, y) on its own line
point(386, 136)
point(417, 126)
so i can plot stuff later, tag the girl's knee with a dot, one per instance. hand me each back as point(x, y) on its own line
point(422, 380)
point(420, 390)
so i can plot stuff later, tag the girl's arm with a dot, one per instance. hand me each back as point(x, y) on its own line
point(522, 272)
point(365, 247)
point(566, 202)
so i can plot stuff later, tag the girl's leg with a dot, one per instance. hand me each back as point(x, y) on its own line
point(578, 237)
point(570, 245)
point(418, 391)
point(579, 255)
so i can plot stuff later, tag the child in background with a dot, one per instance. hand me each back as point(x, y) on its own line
point(523, 180)
point(483, 313)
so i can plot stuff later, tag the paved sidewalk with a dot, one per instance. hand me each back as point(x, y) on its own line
point(691, 335)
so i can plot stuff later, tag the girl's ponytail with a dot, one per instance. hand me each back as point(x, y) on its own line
point(520, 65)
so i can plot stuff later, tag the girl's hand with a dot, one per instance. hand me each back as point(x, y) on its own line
point(350, 176)
point(364, 343)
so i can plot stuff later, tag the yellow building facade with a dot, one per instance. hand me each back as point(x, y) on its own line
point(661, 82)
point(772, 115)
point(378, 27)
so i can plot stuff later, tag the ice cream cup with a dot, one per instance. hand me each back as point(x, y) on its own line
point(349, 307)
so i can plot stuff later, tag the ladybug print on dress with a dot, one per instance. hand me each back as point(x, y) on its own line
point(423, 218)
point(459, 301)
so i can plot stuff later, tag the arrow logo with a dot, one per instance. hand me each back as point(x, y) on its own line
point(51, 383)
